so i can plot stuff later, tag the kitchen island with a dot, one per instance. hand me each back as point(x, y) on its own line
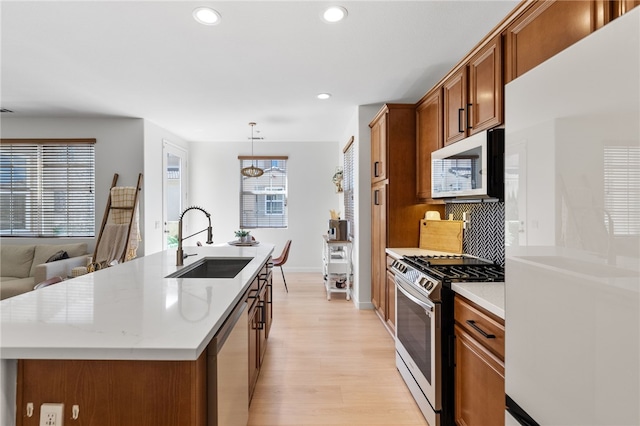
point(125, 320)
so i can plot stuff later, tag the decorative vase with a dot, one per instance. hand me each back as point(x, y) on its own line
point(245, 239)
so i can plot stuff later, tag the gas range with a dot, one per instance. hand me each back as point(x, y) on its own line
point(429, 273)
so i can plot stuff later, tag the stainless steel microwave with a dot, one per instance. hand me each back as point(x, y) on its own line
point(470, 169)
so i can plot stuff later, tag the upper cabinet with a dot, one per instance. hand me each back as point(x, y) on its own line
point(429, 139)
point(379, 149)
point(548, 27)
point(455, 106)
point(473, 94)
point(620, 7)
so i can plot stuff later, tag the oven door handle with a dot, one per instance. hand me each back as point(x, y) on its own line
point(423, 303)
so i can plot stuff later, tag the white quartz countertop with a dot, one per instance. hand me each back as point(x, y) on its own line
point(488, 295)
point(129, 311)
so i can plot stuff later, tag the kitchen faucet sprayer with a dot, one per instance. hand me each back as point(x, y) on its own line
point(180, 254)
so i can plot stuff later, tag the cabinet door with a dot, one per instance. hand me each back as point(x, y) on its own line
point(254, 350)
point(378, 244)
point(379, 149)
point(455, 104)
point(116, 392)
point(620, 7)
point(479, 383)
point(485, 106)
point(547, 28)
point(262, 324)
point(391, 301)
point(429, 134)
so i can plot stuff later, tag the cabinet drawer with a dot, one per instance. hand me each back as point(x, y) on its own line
point(483, 326)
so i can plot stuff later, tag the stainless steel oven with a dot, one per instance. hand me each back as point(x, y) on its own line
point(419, 347)
point(424, 326)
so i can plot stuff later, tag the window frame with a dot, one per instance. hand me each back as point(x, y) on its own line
point(348, 185)
point(49, 164)
point(265, 219)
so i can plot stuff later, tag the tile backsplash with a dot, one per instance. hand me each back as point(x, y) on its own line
point(484, 236)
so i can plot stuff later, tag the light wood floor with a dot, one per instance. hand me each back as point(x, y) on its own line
point(328, 363)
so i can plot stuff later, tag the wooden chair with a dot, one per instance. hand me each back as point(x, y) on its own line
point(282, 259)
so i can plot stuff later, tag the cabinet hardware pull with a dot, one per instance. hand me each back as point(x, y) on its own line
point(262, 320)
point(469, 126)
point(375, 197)
point(375, 169)
point(472, 323)
point(460, 111)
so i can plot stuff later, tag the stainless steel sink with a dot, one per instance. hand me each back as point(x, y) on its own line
point(213, 267)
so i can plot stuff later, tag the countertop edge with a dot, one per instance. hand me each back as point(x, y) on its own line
point(489, 296)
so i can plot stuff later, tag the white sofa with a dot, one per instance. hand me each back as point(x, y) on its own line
point(24, 266)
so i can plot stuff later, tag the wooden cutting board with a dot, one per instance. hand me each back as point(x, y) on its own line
point(441, 235)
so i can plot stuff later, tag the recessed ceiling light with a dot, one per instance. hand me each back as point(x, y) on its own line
point(324, 95)
point(334, 14)
point(206, 16)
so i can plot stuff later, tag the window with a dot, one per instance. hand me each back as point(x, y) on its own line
point(263, 199)
point(348, 185)
point(47, 188)
point(621, 183)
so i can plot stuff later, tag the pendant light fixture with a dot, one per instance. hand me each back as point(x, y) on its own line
point(252, 171)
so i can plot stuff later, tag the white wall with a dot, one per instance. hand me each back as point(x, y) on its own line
point(119, 150)
point(154, 138)
point(214, 176)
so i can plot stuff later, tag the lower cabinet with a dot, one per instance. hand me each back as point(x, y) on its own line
point(115, 392)
point(260, 315)
point(390, 299)
point(479, 365)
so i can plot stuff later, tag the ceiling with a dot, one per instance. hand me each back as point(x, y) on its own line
point(265, 61)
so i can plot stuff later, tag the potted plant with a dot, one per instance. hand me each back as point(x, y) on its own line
point(243, 236)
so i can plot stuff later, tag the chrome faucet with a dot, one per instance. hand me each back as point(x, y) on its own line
point(180, 254)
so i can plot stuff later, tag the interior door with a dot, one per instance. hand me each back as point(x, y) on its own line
point(174, 194)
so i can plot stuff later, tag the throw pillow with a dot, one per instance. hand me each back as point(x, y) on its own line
point(59, 255)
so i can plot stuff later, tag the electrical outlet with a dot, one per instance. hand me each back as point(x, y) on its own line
point(52, 414)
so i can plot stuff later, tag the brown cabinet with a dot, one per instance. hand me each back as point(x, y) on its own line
point(260, 315)
point(378, 150)
point(378, 244)
point(429, 138)
point(479, 365)
point(548, 27)
point(620, 7)
point(395, 213)
point(473, 94)
point(455, 106)
point(114, 393)
point(390, 287)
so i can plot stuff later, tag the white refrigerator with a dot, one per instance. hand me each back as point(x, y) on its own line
point(572, 234)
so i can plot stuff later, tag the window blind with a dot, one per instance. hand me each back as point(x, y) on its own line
point(47, 189)
point(263, 199)
point(348, 186)
point(622, 188)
